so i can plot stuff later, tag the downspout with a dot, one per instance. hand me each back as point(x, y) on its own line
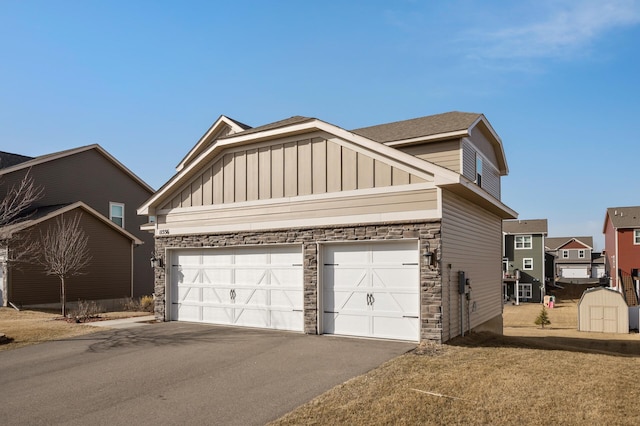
point(132, 260)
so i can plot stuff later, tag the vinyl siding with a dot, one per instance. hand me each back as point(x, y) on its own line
point(445, 154)
point(490, 174)
point(290, 169)
point(251, 215)
point(89, 177)
point(471, 242)
point(108, 276)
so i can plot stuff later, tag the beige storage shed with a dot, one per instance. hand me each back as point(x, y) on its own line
point(603, 310)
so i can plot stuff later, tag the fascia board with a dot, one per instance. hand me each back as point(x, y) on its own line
point(469, 186)
point(78, 204)
point(215, 127)
point(431, 138)
point(442, 175)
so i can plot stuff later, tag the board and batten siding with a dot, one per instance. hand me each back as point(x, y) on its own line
point(286, 169)
point(471, 242)
point(490, 174)
point(444, 154)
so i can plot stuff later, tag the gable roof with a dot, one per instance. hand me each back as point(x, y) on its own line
point(62, 154)
point(623, 217)
point(48, 212)
point(210, 135)
point(8, 159)
point(556, 243)
point(454, 124)
point(300, 125)
point(529, 226)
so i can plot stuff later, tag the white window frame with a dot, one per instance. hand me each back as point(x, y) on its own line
point(111, 215)
point(526, 242)
point(527, 264)
point(565, 254)
point(525, 291)
point(581, 254)
point(636, 236)
point(479, 170)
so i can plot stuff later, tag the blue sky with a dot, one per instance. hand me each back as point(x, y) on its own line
point(558, 80)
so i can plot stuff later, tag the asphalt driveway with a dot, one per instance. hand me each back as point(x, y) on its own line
point(178, 373)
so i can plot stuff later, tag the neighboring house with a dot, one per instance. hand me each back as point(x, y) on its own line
point(622, 250)
point(573, 258)
point(302, 225)
point(523, 262)
point(90, 181)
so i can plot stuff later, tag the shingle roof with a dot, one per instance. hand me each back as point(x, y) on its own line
point(417, 127)
point(275, 125)
point(530, 226)
point(8, 159)
point(624, 217)
point(554, 243)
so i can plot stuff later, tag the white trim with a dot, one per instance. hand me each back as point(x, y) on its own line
point(636, 237)
point(418, 215)
point(524, 247)
point(113, 204)
point(524, 263)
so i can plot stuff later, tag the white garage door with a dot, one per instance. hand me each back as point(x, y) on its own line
point(252, 287)
point(372, 290)
point(575, 273)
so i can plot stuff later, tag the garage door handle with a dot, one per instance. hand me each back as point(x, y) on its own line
point(410, 316)
point(330, 312)
point(297, 310)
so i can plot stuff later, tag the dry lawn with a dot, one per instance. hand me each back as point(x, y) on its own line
point(529, 376)
point(30, 327)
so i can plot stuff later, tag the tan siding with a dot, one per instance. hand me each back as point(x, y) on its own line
point(264, 175)
point(277, 171)
point(218, 181)
point(349, 169)
point(333, 207)
point(228, 178)
point(207, 187)
point(445, 154)
point(319, 166)
point(399, 177)
point(382, 174)
point(334, 167)
point(304, 168)
point(365, 172)
point(471, 242)
point(252, 175)
point(240, 182)
point(293, 168)
point(484, 146)
point(290, 169)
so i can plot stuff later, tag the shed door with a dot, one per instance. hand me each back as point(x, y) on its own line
point(604, 319)
point(372, 290)
point(253, 287)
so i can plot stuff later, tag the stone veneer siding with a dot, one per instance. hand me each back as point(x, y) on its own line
point(427, 232)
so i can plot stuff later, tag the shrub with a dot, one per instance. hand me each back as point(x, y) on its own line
point(143, 304)
point(147, 304)
point(85, 310)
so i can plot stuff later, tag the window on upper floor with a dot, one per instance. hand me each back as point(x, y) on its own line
point(116, 213)
point(522, 242)
point(581, 254)
point(478, 170)
point(527, 263)
point(565, 254)
point(636, 236)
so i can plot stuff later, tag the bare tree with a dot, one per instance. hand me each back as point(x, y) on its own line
point(18, 199)
point(64, 252)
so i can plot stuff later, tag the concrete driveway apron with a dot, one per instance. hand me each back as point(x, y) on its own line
point(178, 373)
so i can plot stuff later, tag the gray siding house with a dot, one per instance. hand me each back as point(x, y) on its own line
point(90, 181)
point(302, 225)
point(523, 263)
point(572, 258)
